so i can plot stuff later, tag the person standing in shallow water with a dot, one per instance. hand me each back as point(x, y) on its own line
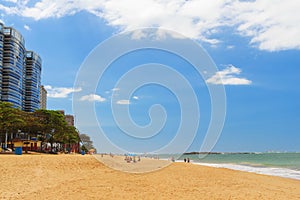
point(184, 159)
point(188, 160)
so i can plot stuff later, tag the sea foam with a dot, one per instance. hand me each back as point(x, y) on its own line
point(272, 171)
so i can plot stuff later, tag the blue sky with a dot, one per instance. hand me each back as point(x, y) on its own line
point(254, 44)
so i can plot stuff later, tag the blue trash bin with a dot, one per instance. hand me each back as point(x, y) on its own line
point(18, 151)
point(82, 152)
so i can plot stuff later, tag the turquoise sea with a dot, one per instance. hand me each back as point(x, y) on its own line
point(276, 164)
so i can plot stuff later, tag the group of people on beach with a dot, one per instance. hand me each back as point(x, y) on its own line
point(186, 160)
point(130, 159)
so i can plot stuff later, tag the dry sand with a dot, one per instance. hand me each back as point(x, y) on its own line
point(145, 164)
point(84, 177)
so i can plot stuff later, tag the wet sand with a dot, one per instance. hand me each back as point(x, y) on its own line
point(84, 177)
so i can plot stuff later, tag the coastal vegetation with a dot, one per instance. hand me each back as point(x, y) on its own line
point(46, 126)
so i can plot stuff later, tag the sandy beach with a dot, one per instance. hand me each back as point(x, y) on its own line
point(84, 177)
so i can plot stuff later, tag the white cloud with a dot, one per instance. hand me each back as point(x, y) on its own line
point(92, 98)
point(230, 47)
point(191, 18)
point(136, 97)
point(60, 92)
point(228, 77)
point(13, 1)
point(270, 24)
point(27, 27)
point(115, 89)
point(123, 102)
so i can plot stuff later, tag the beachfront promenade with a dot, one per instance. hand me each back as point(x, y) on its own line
point(84, 177)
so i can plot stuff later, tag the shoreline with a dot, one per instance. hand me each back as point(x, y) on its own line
point(269, 171)
point(260, 170)
point(285, 165)
point(255, 169)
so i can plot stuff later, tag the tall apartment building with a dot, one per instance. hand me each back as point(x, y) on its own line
point(20, 71)
point(1, 56)
point(43, 97)
point(32, 81)
point(13, 70)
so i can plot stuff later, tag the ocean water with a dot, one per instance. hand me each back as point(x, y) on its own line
point(276, 164)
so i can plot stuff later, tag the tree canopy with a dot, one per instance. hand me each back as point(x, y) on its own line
point(46, 125)
point(87, 143)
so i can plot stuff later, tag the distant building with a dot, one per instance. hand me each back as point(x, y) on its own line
point(43, 97)
point(61, 112)
point(20, 71)
point(70, 122)
point(69, 119)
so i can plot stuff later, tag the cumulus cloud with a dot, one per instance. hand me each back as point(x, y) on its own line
point(13, 1)
point(115, 89)
point(228, 76)
point(60, 92)
point(271, 25)
point(92, 98)
point(27, 27)
point(123, 102)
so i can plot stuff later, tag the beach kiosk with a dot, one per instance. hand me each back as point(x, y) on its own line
point(18, 144)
